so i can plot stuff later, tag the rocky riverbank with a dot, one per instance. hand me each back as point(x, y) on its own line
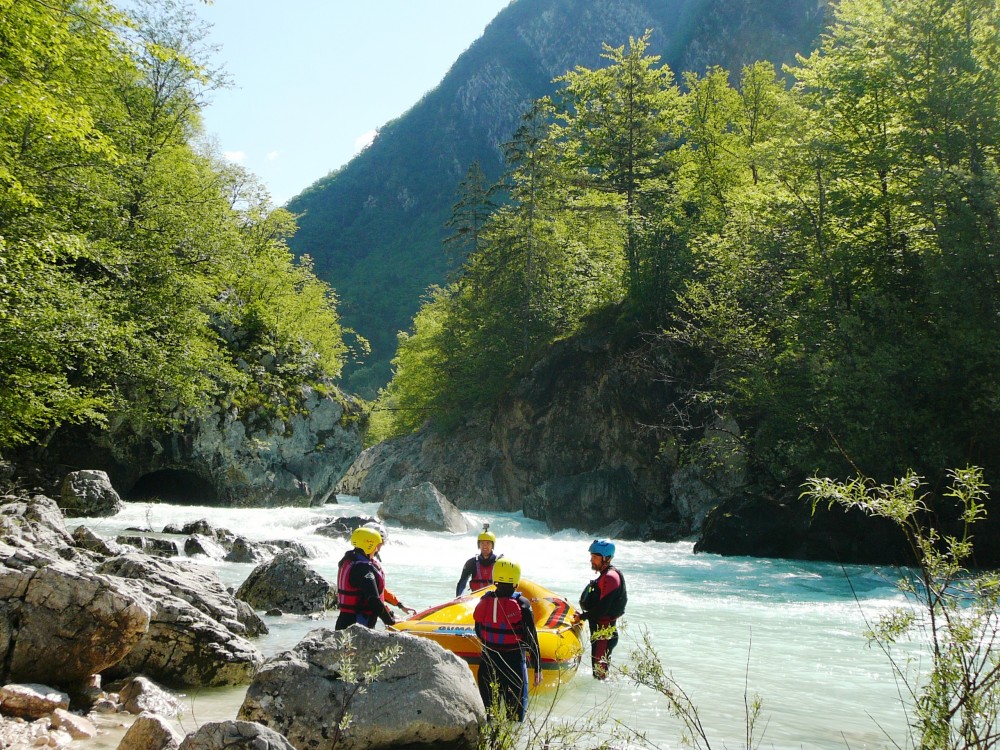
point(94, 629)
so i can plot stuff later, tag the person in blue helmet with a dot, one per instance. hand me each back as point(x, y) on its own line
point(505, 625)
point(601, 604)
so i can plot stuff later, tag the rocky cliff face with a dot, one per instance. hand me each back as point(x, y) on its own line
point(576, 443)
point(227, 458)
point(580, 443)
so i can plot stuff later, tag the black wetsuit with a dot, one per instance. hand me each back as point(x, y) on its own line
point(602, 603)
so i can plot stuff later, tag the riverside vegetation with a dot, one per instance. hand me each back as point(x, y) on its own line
point(143, 279)
point(813, 254)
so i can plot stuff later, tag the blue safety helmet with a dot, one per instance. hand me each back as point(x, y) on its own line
point(602, 547)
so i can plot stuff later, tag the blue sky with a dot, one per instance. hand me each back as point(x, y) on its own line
point(313, 79)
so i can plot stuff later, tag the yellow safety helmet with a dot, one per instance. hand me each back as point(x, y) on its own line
point(506, 571)
point(486, 535)
point(366, 539)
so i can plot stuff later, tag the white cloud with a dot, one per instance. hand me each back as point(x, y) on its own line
point(236, 156)
point(272, 155)
point(364, 140)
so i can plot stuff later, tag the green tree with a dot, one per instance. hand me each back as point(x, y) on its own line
point(617, 126)
point(469, 214)
point(133, 264)
point(827, 308)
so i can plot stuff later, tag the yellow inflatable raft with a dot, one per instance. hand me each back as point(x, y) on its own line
point(450, 624)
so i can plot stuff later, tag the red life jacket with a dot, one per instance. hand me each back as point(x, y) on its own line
point(349, 598)
point(483, 576)
point(499, 619)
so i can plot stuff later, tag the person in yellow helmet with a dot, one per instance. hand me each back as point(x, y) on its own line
point(506, 627)
point(478, 570)
point(361, 583)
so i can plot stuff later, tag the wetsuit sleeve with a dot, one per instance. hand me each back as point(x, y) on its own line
point(467, 570)
point(589, 601)
point(390, 598)
point(363, 577)
point(530, 633)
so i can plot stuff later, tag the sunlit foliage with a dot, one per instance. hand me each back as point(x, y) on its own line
point(141, 278)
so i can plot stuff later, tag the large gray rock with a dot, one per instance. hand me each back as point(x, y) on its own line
point(150, 732)
point(579, 442)
point(424, 507)
point(297, 462)
point(196, 584)
point(89, 493)
point(231, 456)
point(33, 521)
point(183, 647)
point(462, 464)
point(289, 584)
point(427, 697)
point(60, 623)
point(235, 735)
point(592, 502)
point(197, 634)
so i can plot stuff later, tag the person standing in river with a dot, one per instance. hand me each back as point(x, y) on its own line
point(478, 570)
point(506, 626)
point(601, 604)
point(361, 583)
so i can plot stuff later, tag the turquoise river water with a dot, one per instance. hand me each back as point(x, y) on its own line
point(724, 627)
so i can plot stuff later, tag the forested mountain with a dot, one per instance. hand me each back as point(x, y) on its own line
point(375, 227)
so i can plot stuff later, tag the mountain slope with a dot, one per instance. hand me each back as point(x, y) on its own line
point(374, 227)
